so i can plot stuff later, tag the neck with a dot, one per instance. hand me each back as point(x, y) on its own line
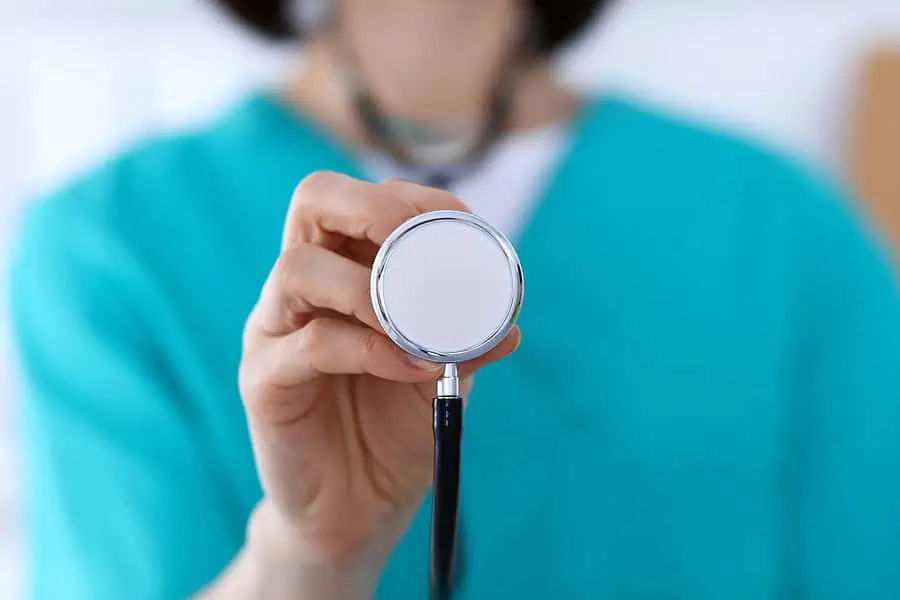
point(435, 64)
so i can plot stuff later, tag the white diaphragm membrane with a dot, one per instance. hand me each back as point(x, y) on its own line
point(446, 286)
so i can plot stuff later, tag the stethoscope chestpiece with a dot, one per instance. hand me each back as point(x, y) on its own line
point(447, 286)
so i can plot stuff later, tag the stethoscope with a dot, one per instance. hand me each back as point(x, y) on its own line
point(446, 287)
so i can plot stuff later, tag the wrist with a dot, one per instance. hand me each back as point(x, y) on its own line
point(287, 563)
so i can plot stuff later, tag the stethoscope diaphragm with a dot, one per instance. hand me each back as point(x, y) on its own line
point(447, 286)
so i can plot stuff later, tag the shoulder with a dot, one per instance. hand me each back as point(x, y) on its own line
point(179, 183)
point(148, 178)
point(691, 161)
point(113, 221)
point(657, 138)
point(774, 205)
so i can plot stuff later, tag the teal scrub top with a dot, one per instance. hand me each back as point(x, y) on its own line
point(706, 402)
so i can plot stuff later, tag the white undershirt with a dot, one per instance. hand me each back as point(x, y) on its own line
point(506, 186)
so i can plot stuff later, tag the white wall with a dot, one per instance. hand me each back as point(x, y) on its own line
point(79, 78)
point(781, 69)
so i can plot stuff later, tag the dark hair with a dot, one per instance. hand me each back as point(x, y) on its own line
point(559, 20)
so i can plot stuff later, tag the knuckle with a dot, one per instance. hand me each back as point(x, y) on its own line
point(248, 382)
point(396, 183)
point(372, 209)
point(313, 185)
point(398, 192)
point(291, 264)
point(314, 336)
point(445, 200)
point(387, 209)
point(360, 297)
point(370, 346)
point(249, 334)
point(282, 280)
point(424, 196)
point(252, 377)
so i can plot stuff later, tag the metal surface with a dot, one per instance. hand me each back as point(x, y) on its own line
point(448, 384)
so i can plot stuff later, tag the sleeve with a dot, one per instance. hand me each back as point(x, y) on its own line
point(121, 503)
point(847, 511)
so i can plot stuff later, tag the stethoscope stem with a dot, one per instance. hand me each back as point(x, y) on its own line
point(448, 415)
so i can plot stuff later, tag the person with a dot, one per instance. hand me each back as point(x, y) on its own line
point(703, 403)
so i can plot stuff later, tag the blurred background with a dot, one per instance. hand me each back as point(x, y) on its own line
point(81, 78)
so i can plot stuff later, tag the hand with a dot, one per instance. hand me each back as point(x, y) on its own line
point(340, 417)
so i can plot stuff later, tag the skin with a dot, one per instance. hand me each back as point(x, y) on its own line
point(327, 395)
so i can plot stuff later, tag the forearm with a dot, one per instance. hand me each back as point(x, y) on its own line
point(274, 566)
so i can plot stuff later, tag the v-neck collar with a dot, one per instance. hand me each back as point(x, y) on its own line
point(293, 138)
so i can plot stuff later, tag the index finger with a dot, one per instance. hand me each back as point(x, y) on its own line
point(422, 197)
point(327, 206)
